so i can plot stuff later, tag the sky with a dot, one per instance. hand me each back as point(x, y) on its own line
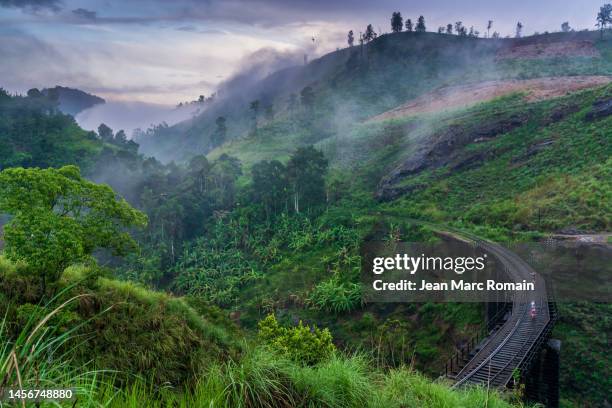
point(165, 52)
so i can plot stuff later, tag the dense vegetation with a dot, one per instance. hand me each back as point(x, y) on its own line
point(258, 241)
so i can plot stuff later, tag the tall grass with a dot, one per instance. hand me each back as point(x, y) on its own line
point(264, 380)
point(39, 357)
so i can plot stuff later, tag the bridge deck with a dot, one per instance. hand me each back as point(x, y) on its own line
point(504, 351)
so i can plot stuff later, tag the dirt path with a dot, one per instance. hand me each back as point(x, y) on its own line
point(462, 96)
point(538, 50)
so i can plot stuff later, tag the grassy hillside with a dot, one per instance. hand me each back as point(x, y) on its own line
point(121, 326)
point(544, 166)
point(355, 83)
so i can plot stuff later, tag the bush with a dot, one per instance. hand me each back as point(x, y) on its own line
point(335, 296)
point(301, 344)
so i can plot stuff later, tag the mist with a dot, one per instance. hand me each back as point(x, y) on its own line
point(133, 115)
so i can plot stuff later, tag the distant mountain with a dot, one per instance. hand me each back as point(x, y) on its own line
point(72, 101)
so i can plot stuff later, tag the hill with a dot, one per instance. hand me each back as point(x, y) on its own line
point(72, 101)
point(356, 83)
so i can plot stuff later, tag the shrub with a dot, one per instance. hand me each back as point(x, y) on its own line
point(335, 296)
point(301, 343)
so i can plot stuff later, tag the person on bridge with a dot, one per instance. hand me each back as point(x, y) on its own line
point(532, 311)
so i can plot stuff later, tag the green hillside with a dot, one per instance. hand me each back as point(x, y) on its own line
point(356, 83)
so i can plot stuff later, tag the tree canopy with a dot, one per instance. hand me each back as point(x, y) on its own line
point(60, 218)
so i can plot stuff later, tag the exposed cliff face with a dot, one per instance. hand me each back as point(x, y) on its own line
point(600, 110)
point(442, 149)
point(72, 101)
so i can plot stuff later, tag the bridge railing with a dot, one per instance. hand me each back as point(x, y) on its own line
point(528, 361)
point(456, 361)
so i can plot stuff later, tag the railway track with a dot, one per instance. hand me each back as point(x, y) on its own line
point(510, 346)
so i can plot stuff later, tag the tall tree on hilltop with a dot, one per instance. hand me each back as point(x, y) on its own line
point(350, 38)
point(449, 28)
point(105, 133)
point(409, 26)
point(604, 17)
point(120, 137)
point(420, 26)
point(519, 30)
point(565, 27)
point(489, 26)
point(370, 34)
point(397, 22)
point(460, 29)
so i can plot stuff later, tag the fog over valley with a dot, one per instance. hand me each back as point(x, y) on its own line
point(133, 115)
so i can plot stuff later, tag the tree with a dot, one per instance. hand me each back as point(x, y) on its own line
point(306, 174)
point(254, 107)
point(409, 26)
point(198, 171)
point(120, 137)
point(34, 93)
point(105, 133)
point(270, 186)
point(370, 34)
point(224, 173)
point(60, 218)
point(565, 27)
point(397, 22)
point(307, 98)
point(460, 29)
point(604, 17)
point(420, 26)
point(489, 26)
point(449, 28)
point(495, 35)
point(220, 132)
point(350, 38)
point(441, 30)
point(519, 30)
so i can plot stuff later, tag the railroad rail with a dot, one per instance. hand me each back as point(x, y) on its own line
point(511, 346)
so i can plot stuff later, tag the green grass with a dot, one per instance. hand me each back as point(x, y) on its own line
point(40, 356)
point(262, 379)
point(125, 327)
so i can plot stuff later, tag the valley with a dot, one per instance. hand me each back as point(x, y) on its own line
point(216, 260)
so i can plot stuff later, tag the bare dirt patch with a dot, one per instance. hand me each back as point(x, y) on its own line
point(549, 50)
point(463, 96)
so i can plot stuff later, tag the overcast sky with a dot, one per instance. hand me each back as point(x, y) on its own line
point(169, 51)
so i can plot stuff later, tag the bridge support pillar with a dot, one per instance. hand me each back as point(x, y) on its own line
point(542, 381)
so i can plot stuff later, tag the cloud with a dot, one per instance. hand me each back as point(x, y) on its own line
point(189, 28)
point(85, 14)
point(46, 66)
point(53, 5)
